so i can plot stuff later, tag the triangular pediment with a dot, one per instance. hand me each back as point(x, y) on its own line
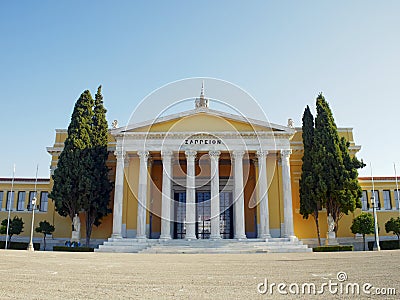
point(203, 120)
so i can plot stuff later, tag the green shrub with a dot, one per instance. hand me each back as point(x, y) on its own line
point(19, 245)
point(73, 249)
point(385, 245)
point(333, 248)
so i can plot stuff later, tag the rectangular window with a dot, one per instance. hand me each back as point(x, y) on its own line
point(44, 201)
point(364, 201)
point(10, 201)
point(396, 198)
point(21, 201)
point(386, 200)
point(377, 201)
point(31, 195)
point(1, 200)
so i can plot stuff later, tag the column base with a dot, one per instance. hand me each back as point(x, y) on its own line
point(116, 236)
point(191, 238)
point(291, 238)
point(165, 238)
point(142, 237)
point(214, 238)
point(264, 236)
point(241, 237)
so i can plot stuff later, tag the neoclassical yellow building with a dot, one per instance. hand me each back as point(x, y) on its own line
point(198, 175)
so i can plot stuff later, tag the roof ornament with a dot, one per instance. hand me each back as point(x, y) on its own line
point(290, 123)
point(114, 124)
point(201, 102)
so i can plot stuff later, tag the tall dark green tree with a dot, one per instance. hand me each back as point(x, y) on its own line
point(308, 201)
point(336, 172)
point(349, 196)
point(98, 184)
point(67, 190)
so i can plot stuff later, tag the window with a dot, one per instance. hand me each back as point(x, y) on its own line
point(396, 198)
point(21, 201)
point(44, 201)
point(364, 201)
point(377, 201)
point(1, 200)
point(31, 195)
point(10, 200)
point(386, 200)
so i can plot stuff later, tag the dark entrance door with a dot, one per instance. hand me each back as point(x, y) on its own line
point(203, 215)
point(180, 215)
point(226, 215)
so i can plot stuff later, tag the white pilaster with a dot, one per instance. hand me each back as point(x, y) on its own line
point(263, 193)
point(287, 194)
point(166, 195)
point(142, 195)
point(190, 195)
point(215, 209)
point(238, 206)
point(118, 194)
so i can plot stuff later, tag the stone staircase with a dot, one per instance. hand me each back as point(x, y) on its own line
point(272, 245)
point(126, 245)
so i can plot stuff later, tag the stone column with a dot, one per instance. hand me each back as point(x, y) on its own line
point(118, 194)
point(287, 194)
point(263, 193)
point(238, 206)
point(166, 195)
point(142, 195)
point(190, 195)
point(215, 209)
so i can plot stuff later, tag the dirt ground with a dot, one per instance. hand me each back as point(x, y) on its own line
point(60, 275)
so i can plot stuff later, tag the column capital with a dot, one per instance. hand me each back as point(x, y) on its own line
point(143, 154)
point(120, 154)
point(214, 154)
point(262, 153)
point(127, 158)
point(285, 153)
point(238, 154)
point(166, 154)
point(190, 154)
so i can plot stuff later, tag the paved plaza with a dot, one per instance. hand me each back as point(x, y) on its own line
point(58, 275)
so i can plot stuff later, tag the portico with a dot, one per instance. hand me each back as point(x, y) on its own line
point(212, 184)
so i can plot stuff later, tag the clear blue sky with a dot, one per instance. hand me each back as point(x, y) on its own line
point(282, 52)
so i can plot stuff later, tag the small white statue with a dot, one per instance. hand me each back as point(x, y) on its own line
point(77, 223)
point(290, 123)
point(114, 124)
point(331, 223)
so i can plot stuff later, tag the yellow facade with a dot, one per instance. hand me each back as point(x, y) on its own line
point(199, 122)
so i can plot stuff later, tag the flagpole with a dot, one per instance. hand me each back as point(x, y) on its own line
point(9, 206)
point(397, 187)
point(30, 247)
point(373, 202)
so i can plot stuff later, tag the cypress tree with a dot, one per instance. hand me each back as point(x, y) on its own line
point(308, 201)
point(336, 184)
point(99, 186)
point(67, 187)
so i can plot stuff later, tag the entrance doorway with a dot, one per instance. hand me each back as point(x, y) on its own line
point(203, 214)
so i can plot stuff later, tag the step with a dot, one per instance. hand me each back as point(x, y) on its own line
point(273, 245)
